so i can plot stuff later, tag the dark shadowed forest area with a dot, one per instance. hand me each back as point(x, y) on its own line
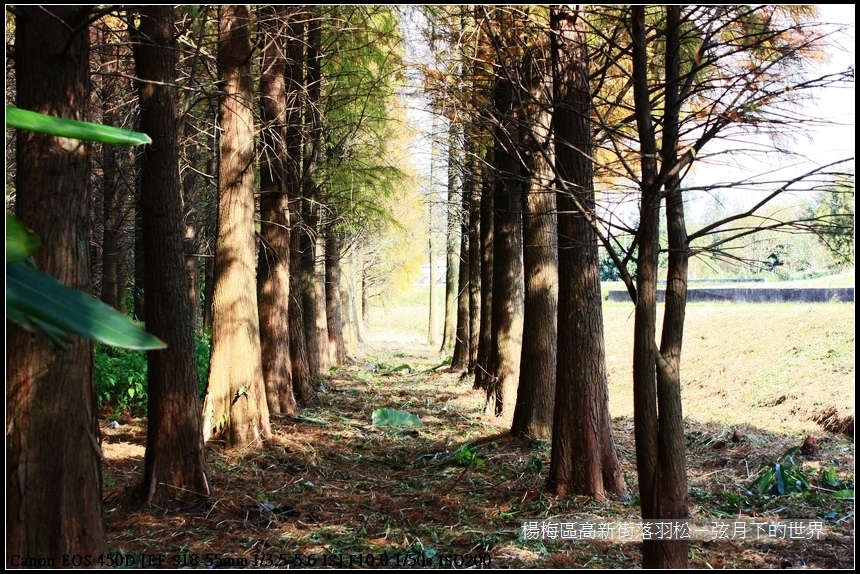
point(461, 286)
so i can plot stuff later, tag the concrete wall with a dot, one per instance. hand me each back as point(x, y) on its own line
point(763, 295)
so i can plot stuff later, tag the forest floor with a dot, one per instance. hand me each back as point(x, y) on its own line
point(333, 489)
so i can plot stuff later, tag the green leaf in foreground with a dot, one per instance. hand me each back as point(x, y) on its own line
point(61, 127)
point(34, 299)
point(20, 241)
point(395, 418)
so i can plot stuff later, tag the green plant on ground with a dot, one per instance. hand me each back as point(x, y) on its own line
point(783, 476)
point(121, 375)
point(467, 455)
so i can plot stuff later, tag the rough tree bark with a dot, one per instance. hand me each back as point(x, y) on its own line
point(536, 393)
point(507, 306)
point(273, 268)
point(53, 477)
point(451, 258)
point(584, 459)
point(174, 466)
point(235, 406)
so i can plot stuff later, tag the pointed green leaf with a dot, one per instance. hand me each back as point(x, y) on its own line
point(20, 241)
point(34, 298)
point(394, 417)
point(61, 127)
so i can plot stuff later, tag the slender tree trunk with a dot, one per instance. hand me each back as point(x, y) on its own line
point(139, 275)
point(302, 380)
point(235, 405)
point(460, 359)
point(53, 474)
point(111, 292)
point(432, 321)
point(672, 494)
point(365, 297)
point(273, 268)
point(192, 185)
point(474, 172)
point(112, 202)
point(353, 328)
point(536, 393)
point(209, 263)
point(485, 336)
point(656, 554)
point(174, 467)
point(451, 259)
point(584, 458)
point(301, 377)
point(321, 319)
point(334, 315)
point(310, 208)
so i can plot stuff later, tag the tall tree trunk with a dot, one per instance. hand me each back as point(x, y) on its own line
point(273, 269)
point(310, 207)
point(174, 466)
point(334, 315)
point(451, 259)
point(139, 275)
point(111, 292)
point(192, 186)
point(432, 320)
point(53, 475)
point(301, 377)
point(507, 310)
point(672, 494)
point(584, 459)
point(485, 328)
point(474, 172)
point(211, 227)
point(321, 319)
point(536, 393)
point(353, 327)
point(656, 554)
point(460, 359)
point(235, 406)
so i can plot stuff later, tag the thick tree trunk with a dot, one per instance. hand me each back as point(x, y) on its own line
point(584, 458)
point(273, 268)
point(236, 400)
point(53, 475)
point(174, 467)
point(507, 309)
point(536, 393)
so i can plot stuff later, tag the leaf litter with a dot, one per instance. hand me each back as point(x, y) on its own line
point(332, 485)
